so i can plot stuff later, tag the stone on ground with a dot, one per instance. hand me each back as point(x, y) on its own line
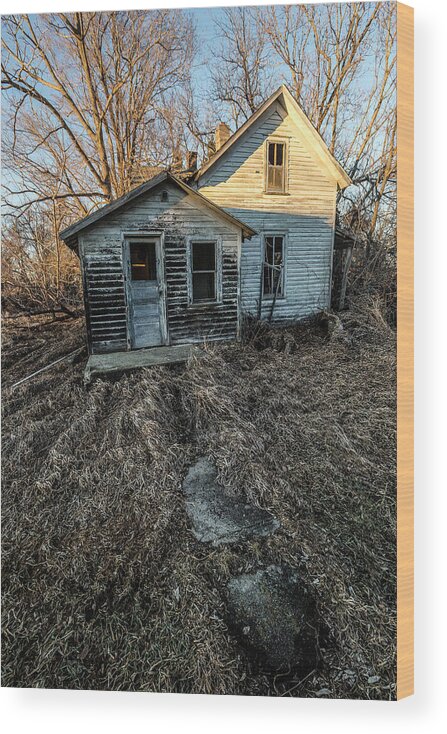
point(218, 517)
point(275, 619)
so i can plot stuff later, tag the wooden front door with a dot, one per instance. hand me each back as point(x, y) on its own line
point(145, 292)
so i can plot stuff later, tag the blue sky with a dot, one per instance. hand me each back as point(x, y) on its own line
point(207, 33)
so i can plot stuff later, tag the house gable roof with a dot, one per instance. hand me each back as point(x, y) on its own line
point(72, 231)
point(310, 134)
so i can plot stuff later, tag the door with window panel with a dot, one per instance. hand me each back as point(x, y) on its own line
point(144, 293)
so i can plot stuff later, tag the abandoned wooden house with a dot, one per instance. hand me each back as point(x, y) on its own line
point(179, 259)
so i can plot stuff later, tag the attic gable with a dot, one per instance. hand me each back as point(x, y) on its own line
point(284, 103)
point(69, 234)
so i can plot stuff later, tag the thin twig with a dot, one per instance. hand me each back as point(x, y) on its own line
point(47, 367)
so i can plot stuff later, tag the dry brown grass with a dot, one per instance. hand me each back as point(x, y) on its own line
point(105, 587)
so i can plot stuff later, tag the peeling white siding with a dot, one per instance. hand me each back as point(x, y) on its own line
point(306, 215)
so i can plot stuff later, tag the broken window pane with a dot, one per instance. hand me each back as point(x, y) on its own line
point(143, 261)
point(273, 275)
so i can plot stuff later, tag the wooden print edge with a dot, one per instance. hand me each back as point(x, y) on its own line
point(405, 351)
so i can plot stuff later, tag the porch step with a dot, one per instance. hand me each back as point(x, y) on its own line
point(123, 361)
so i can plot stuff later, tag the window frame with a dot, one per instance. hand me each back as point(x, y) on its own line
point(146, 243)
point(217, 242)
point(285, 188)
point(268, 297)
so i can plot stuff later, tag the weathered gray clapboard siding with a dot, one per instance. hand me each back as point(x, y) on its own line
point(197, 322)
point(305, 214)
point(105, 305)
point(180, 218)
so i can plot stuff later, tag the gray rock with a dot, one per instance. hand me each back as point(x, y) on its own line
point(323, 692)
point(218, 517)
point(275, 618)
point(348, 676)
point(373, 679)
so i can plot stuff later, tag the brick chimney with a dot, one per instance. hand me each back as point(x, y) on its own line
point(191, 160)
point(222, 134)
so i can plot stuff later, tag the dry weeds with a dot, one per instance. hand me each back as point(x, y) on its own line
point(105, 587)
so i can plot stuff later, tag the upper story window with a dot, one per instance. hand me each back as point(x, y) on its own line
point(276, 167)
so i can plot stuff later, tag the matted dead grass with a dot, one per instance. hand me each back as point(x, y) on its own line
point(105, 587)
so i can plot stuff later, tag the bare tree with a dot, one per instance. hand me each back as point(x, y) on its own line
point(322, 47)
point(84, 98)
point(83, 92)
point(198, 116)
point(35, 272)
point(340, 62)
point(241, 73)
